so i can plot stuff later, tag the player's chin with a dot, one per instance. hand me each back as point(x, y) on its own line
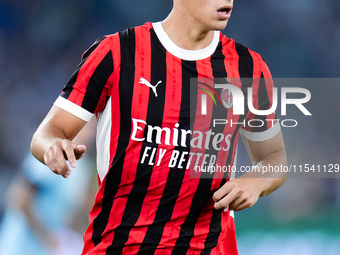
point(220, 25)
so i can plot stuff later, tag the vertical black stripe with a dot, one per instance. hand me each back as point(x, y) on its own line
point(69, 85)
point(246, 62)
point(127, 42)
point(218, 112)
point(264, 103)
point(144, 171)
point(201, 196)
point(97, 83)
point(263, 97)
point(246, 70)
point(219, 71)
point(203, 192)
point(175, 178)
point(214, 231)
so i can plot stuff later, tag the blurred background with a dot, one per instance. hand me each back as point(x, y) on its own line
point(41, 42)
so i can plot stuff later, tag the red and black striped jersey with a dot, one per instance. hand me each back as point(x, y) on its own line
point(140, 86)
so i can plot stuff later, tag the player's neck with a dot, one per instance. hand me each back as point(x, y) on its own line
point(185, 33)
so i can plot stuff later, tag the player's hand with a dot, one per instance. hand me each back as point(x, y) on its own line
point(56, 156)
point(238, 194)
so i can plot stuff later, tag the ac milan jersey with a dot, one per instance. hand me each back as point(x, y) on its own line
point(139, 84)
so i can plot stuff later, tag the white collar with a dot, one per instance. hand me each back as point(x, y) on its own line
point(190, 55)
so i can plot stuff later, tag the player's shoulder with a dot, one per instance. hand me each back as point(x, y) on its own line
point(115, 41)
point(241, 49)
point(125, 38)
point(130, 31)
point(249, 60)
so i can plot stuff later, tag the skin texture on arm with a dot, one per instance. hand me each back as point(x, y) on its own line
point(52, 142)
point(244, 191)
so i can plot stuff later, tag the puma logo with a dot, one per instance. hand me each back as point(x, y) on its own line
point(153, 87)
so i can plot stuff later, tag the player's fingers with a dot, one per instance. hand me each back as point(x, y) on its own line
point(221, 192)
point(237, 204)
point(60, 156)
point(69, 151)
point(63, 168)
point(48, 159)
point(226, 200)
point(54, 160)
point(245, 200)
point(241, 205)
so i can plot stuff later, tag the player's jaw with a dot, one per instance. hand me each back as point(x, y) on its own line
point(214, 15)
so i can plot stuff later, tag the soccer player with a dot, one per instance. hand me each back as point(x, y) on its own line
point(138, 84)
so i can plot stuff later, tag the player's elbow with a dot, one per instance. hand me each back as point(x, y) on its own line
point(35, 147)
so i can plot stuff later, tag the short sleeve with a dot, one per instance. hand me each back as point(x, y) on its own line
point(264, 126)
point(87, 91)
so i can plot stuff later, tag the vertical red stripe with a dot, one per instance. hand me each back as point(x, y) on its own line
point(189, 186)
point(202, 226)
point(115, 100)
point(256, 80)
point(139, 110)
point(227, 243)
point(231, 65)
point(203, 223)
point(88, 244)
point(269, 85)
point(260, 68)
point(173, 97)
point(227, 239)
point(231, 60)
point(257, 64)
point(86, 71)
point(96, 209)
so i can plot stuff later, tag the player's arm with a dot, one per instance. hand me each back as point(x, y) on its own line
point(244, 191)
point(52, 142)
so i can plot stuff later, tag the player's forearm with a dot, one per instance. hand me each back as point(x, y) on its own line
point(269, 172)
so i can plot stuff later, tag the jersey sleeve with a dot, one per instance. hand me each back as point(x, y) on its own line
point(86, 92)
point(262, 127)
